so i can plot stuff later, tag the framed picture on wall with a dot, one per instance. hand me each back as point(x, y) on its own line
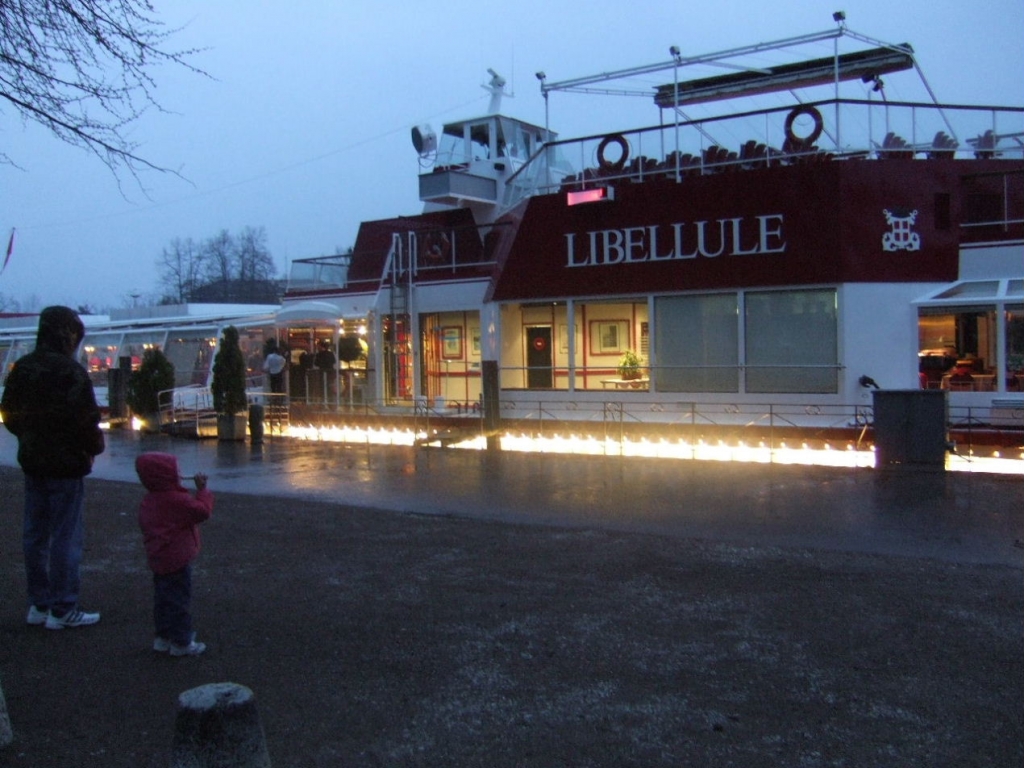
point(451, 342)
point(608, 337)
point(474, 338)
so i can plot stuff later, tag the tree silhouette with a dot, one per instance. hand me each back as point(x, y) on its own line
point(82, 70)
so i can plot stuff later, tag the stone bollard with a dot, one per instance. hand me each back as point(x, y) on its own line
point(6, 734)
point(218, 727)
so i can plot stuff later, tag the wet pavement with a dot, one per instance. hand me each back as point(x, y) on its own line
point(957, 517)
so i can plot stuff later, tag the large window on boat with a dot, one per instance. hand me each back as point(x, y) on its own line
point(696, 343)
point(11, 351)
point(137, 342)
point(791, 341)
point(958, 348)
point(450, 344)
point(191, 353)
point(543, 347)
point(971, 336)
point(99, 353)
point(1015, 347)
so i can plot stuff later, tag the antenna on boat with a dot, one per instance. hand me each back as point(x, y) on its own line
point(497, 88)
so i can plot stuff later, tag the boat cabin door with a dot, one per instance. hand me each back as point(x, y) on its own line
point(538, 357)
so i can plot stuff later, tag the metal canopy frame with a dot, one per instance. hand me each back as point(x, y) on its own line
point(727, 59)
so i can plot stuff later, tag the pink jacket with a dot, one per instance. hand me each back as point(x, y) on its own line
point(169, 515)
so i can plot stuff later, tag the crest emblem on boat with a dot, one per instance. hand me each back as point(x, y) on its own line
point(902, 237)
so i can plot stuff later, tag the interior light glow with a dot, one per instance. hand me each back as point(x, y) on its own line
point(590, 195)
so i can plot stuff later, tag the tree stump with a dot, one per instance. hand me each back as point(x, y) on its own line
point(217, 726)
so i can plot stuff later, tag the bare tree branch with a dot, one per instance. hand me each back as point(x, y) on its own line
point(81, 69)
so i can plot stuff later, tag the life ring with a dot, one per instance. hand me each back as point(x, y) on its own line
point(618, 165)
point(436, 247)
point(809, 140)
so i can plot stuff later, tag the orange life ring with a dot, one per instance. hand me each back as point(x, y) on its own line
point(618, 165)
point(814, 114)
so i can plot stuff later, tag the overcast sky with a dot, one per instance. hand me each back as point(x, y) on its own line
point(303, 127)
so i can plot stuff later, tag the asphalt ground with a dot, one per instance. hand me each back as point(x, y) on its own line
point(423, 607)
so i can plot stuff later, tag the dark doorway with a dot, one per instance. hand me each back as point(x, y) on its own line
point(538, 357)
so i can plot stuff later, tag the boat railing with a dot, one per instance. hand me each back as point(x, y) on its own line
point(814, 132)
point(189, 410)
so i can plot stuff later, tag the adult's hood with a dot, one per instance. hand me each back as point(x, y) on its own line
point(60, 330)
point(158, 471)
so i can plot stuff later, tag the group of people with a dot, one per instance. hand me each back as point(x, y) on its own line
point(50, 406)
point(324, 361)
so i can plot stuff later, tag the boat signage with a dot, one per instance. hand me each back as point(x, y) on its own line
point(739, 236)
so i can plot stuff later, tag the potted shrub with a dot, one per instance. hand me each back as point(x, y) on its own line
point(154, 375)
point(629, 366)
point(228, 387)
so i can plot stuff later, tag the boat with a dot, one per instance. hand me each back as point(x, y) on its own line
point(774, 245)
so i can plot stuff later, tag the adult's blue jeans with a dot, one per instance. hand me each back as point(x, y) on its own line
point(172, 605)
point(52, 540)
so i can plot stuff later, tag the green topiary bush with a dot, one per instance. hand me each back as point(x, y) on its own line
point(154, 375)
point(228, 387)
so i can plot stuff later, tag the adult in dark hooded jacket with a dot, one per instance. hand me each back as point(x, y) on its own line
point(169, 517)
point(49, 405)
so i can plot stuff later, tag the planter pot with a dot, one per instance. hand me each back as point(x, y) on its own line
point(231, 427)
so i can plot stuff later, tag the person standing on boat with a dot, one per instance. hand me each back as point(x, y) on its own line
point(273, 365)
point(325, 362)
point(49, 405)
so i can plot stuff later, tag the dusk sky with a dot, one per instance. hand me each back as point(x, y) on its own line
point(303, 126)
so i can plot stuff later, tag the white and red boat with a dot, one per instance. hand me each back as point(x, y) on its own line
point(781, 237)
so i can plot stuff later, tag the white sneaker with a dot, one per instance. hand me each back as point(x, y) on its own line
point(35, 616)
point(192, 649)
point(73, 618)
point(160, 645)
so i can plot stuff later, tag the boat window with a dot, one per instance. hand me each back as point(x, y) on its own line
point(791, 342)
point(696, 343)
point(960, 339)
point(136, 343)
point(191, 354)
point(14, 349)
point(98, 354)
point(1015, 347)
point(480, 141)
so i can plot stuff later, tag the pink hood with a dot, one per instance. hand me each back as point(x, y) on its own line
point(158, 471)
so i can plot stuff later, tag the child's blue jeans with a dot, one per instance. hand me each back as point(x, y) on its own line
point(172, 605)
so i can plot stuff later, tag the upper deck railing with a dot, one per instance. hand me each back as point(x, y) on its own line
point(814, 132)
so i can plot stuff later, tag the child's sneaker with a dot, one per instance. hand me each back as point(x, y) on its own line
point(194, 648)
point(73, 618)
point(36, 616)
point(160, 645)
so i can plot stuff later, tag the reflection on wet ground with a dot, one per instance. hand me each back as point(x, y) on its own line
point(962, 517)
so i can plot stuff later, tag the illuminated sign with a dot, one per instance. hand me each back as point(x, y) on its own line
point(590, 195)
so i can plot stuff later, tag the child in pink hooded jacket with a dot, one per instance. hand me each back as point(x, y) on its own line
point(169, 517)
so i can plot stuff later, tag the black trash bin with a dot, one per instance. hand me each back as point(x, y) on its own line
point(256, 411)
point(910, 427)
